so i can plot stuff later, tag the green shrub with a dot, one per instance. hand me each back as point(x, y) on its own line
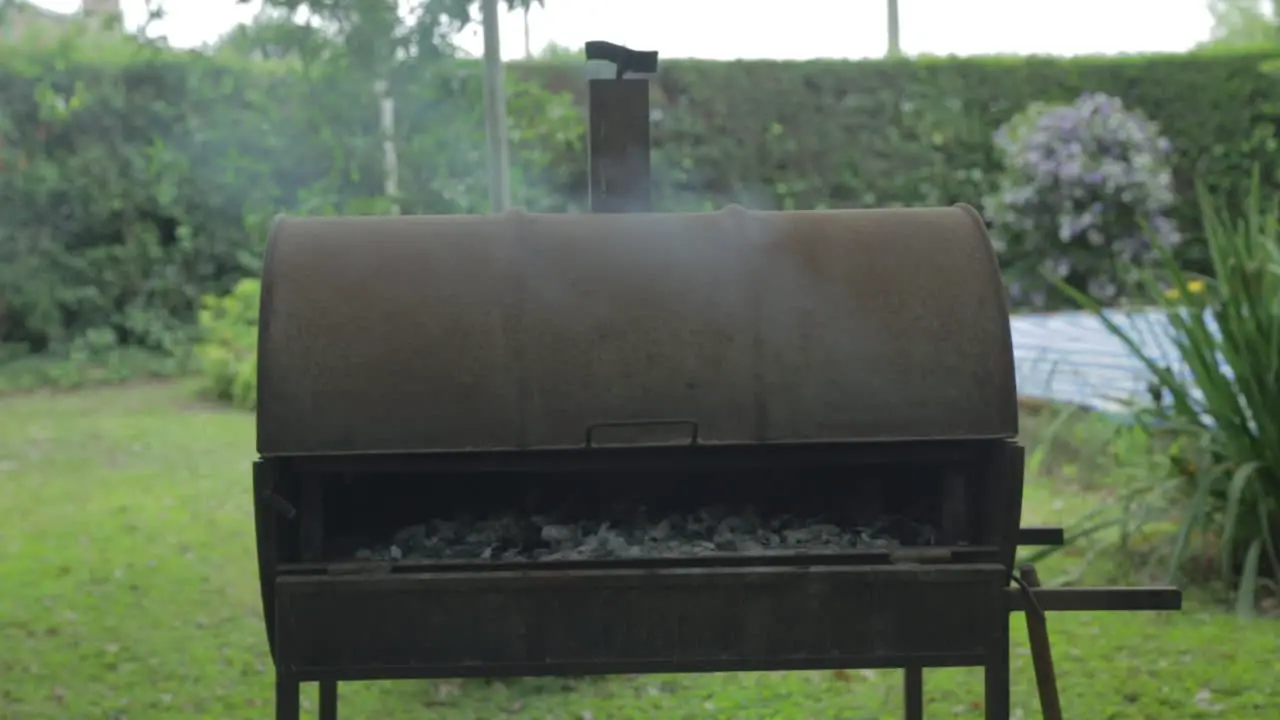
point(1083, 188)
point(228, 350)
point(1222, 409)
point(99, 240)
point(134, 179)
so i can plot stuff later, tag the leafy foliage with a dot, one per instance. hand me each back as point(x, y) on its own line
point(1243, 22)
point(107, 231)
point(135, 180)
point(1083, 186)
point(228, 350)
point(1222, 407)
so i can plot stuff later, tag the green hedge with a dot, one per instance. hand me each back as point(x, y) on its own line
point(858, 134)
point(135, 181)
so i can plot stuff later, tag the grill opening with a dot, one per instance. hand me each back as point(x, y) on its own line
point(635, 514)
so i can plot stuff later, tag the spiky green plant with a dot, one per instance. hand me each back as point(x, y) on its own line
point(1223, 405)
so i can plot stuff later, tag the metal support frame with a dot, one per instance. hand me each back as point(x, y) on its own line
point(1041, 655)
point(289, 700)
point(1027, 596)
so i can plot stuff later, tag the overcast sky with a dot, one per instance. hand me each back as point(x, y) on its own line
point(795, 29)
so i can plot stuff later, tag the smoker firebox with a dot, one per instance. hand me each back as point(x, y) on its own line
point(714, 611)
point(927, 594)
point(630, 442)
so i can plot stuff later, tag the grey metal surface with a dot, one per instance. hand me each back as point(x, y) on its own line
point(519, 331)
point(587, 622)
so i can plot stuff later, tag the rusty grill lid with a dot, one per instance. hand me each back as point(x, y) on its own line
point(522, 331)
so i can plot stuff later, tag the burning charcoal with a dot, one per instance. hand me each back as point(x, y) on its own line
point(733, 525)
point(462, 552)
point(798, 536)
point(559, 534)
point(661, 531)
point(431, 548)
point(702, 547)
point(412, 537)
point(528, 535)
point(867, 538)
point(617, 545)
point(826, 532)
point(503, 531)
point(627, 532)
point(700, 525)
point(595, 546)
point(444, 531)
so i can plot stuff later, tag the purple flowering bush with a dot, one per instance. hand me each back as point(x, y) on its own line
point(1085, 192)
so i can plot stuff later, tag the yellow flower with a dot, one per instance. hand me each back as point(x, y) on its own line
point(1193, 287)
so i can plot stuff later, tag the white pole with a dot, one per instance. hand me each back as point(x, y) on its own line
point(390, 163)
point(495, 112)
point(529, 49)
point(895, 45)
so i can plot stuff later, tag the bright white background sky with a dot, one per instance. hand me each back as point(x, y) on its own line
point(794, 29)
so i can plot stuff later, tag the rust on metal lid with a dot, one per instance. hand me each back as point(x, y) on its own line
point(521, 331)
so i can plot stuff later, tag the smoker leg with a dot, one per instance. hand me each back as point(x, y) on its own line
point(287, 700)
point(997, 675)
point(913, 692)
point(1041, 654)
point(328, 700)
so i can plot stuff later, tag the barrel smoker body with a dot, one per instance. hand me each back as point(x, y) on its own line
point(518, 332)
point(415, 367)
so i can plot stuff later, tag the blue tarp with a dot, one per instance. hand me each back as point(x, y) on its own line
point(1072, 357)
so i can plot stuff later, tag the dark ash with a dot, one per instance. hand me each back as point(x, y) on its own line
point(709, 531)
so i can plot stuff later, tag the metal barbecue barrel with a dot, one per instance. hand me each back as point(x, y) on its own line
point(520, 331)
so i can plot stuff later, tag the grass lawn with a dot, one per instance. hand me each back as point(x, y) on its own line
point(128, 589)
